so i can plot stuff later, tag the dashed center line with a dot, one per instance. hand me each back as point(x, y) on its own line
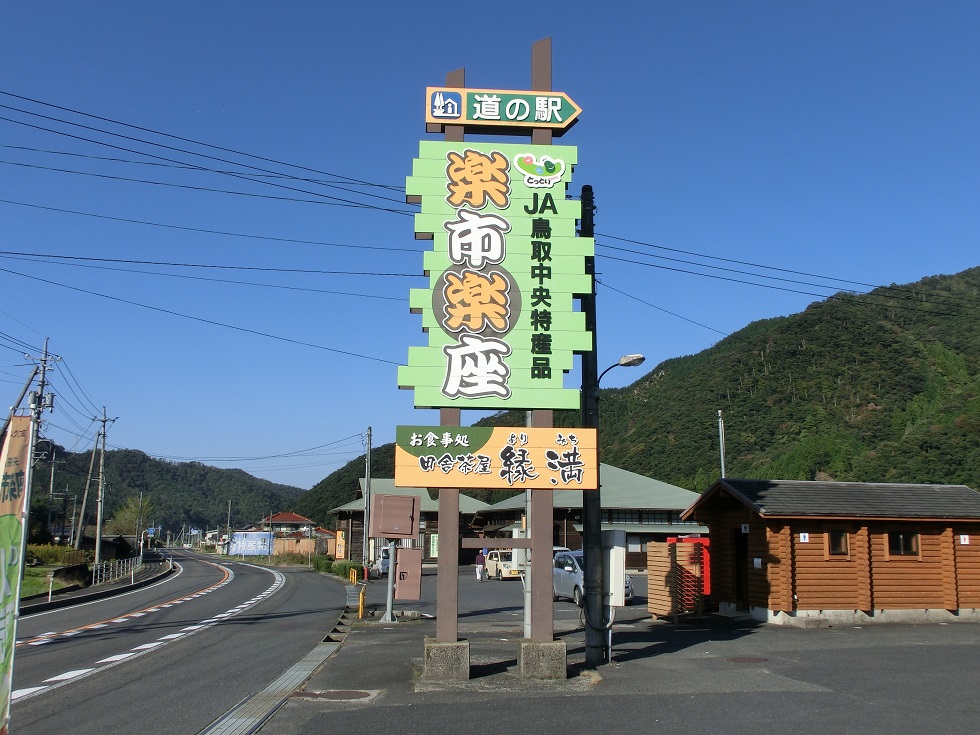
point(146, 647)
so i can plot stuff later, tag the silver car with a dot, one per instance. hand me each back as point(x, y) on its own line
point(568, 577)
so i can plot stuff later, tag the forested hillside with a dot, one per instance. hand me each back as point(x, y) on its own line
point(880, 387)
point(184, 493)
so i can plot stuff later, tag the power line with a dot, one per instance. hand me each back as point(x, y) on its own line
point(179, 166)
point(203, 320)
point(216, 280)
point(264, 269)
point(64, 364)
point(192, 141)
point(210, 189)
point(774, 288)
point(760, 266)
point(165, 147)
point(224, 233)
point(310, 451)
point(659, 308)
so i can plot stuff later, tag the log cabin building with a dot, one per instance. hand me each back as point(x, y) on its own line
point(843, 552)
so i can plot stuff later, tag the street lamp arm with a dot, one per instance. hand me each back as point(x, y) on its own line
point(624, 361)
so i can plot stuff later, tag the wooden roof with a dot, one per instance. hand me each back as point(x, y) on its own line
point(797, 498)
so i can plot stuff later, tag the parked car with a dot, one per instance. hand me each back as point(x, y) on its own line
point(568, 578)
point(501, 565)
point(380, 565)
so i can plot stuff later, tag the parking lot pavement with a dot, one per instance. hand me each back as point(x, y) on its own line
point(708, 675)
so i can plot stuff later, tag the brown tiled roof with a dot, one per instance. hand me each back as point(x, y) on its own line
point(286, 517)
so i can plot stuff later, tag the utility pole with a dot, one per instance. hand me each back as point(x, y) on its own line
point(228, 526)
point(139, 514)
point(100, 501)
point(366, 551)
point(38, 402)
point(88, 483)
point(39, 399)
point(721, 441)
point(51, 485)
point(595, 636)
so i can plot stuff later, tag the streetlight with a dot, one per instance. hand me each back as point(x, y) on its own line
point(596, 650)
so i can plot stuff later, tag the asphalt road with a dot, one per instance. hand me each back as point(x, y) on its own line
point(170, 658)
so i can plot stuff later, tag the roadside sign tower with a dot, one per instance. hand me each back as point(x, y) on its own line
point(499, 312)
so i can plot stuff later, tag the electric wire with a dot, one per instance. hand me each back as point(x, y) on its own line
point(186, 140)
point(762, 266)
point(171, 160)
point(225, 233)
point(179, 166)
point(229, 281)
point(209, 189)
point(264, 269)
point(203, 320)
point(68, 370)
point(659, 308)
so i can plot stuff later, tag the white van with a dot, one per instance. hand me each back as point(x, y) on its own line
point(501, 565)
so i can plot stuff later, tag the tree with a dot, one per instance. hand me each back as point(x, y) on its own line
point(132, 516)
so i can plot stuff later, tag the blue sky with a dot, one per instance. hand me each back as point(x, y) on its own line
point(836, 141)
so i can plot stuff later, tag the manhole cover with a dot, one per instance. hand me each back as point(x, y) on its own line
point(747, 660)
point(333, 695)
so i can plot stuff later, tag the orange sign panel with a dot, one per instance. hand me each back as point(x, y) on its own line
point(484, 458)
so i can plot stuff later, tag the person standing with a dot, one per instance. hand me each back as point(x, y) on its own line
point(481, 561)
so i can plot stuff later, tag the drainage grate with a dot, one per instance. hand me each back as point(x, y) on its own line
point(747, 660)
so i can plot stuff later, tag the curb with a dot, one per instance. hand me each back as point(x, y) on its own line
point(76, 599)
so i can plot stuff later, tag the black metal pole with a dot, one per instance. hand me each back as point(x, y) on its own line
point(595, 637)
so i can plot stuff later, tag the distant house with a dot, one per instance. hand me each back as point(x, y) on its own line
point(647, 510)
point(350, 521)
point(287, 523)
point(843, 552)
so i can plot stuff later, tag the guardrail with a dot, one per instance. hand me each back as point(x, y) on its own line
point(110, 571)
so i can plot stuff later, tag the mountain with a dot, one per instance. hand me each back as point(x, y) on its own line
point(180, 493)
point(878, 387)
point(883, 387)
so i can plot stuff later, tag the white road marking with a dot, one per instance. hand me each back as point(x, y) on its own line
point(69, 675)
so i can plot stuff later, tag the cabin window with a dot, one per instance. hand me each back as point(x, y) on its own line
point(837, 543)
point(903, 543)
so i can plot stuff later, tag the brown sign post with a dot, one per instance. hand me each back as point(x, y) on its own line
point(501, 324)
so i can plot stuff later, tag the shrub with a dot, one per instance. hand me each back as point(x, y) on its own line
point(62, 556)
point(342, 568)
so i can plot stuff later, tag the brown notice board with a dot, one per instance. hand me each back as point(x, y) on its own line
point(394, 516)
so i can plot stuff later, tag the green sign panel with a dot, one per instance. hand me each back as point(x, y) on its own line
point(504, 272)
point(499, 108)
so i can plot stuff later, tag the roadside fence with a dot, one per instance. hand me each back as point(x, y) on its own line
point(115, 569)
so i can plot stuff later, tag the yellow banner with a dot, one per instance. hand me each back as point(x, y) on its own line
point(485, 458)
